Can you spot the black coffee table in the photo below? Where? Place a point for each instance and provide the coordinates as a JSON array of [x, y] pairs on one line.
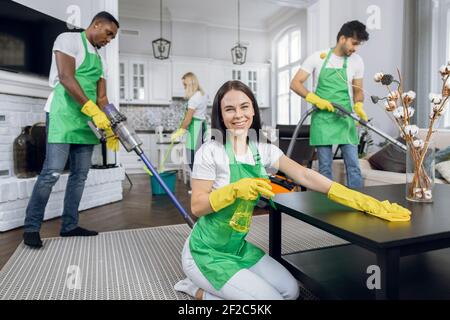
[[343, 272]]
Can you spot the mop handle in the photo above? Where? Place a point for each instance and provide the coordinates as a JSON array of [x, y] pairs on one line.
[[161, 166], [369, 126], [167, 190]]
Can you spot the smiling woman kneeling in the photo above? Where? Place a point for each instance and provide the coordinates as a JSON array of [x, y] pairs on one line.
[[228, 178]]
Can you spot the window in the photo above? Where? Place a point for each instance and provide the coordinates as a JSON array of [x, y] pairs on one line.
[[288, 62]]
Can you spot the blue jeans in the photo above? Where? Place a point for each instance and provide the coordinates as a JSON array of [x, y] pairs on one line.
[[350, 155], [55, 161]]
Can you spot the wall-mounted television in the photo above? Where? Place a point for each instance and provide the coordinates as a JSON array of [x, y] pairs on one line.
[[26, 39]]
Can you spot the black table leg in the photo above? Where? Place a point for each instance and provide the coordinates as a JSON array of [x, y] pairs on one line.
[[275, 234], [388, 261]]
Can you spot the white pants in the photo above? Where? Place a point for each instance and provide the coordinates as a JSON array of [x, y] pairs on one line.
[[266, 280]]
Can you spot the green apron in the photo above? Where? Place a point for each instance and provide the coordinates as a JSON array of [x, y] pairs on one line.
[[328, 128], [67, 123], [218, 250], [194, 138]]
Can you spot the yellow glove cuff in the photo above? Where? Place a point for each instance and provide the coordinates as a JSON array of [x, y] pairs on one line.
[[335, 190], [90, 109], [312, 98], [358, 106], [222, 198], [181, 131]]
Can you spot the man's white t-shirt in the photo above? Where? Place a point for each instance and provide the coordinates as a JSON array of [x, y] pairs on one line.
[[71, 44], [212, 163], [313, 65], [199, 103]]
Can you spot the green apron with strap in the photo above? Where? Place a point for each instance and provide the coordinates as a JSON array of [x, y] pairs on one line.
[[67, 123], [218, 250], [194, 138], [328, 128]]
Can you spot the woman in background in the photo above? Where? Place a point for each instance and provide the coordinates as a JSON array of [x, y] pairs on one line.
[[194, 120]]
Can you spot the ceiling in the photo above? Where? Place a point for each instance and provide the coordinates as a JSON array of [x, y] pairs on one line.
[[255, 14]]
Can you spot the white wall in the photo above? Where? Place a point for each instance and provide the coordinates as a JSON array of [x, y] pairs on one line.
[[65, 10], [58, 9], [258, 44], [193, 39], [383, 51], [149, 30], [190, 39]]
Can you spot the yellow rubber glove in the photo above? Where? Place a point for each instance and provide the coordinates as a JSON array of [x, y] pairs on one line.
[[247, 189], [359, 201], [320, 103], [358, 107], [177, 134], [112, 141], [98, 116]]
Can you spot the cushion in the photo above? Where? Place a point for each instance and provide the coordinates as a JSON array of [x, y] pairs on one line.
[[444, 169], [389, 158], [442, 155]]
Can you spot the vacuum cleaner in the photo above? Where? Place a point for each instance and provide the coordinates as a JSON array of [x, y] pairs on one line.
[[283, 185], [131, 142]]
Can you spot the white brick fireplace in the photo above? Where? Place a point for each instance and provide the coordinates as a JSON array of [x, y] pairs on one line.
[[16, 112], [22, 99]]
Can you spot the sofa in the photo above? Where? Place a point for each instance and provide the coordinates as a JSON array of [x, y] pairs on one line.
[[372, 177]]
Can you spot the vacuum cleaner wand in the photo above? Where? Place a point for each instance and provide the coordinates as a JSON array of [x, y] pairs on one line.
[[343, 112], [131, 142], [340, 109], [305, 116]]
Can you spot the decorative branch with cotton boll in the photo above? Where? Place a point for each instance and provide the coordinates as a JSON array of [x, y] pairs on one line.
[[398, 103]]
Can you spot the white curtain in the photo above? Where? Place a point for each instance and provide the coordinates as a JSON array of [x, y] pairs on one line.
[[425, 49]]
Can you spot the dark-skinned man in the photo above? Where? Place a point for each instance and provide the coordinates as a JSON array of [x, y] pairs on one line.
[[339, 76], [78, 79]]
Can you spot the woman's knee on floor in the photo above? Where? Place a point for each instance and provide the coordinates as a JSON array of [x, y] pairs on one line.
[[277, 276], [292, 290], [247, 285]]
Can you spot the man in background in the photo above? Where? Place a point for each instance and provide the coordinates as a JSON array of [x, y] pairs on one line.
[[339, 72]]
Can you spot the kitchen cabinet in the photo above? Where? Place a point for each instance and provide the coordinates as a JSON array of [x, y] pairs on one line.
[[144, 80], [257, 78], [133, 80], [264, 86], [219, 75], [160, 82], [200, 67]]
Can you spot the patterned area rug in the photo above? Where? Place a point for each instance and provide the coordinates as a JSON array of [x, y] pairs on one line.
[[141, 264]]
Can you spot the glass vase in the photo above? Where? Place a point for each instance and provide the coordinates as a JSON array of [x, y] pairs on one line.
[[420, 163]]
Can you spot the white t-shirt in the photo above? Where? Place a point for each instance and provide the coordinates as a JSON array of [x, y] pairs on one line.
[[199, 103], [71, 44], [212, 163], [355, 67]]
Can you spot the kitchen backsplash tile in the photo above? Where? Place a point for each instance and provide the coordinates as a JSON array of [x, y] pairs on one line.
[[149, 117]]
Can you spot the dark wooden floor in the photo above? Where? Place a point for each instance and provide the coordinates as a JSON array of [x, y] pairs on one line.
[[138, 209]]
